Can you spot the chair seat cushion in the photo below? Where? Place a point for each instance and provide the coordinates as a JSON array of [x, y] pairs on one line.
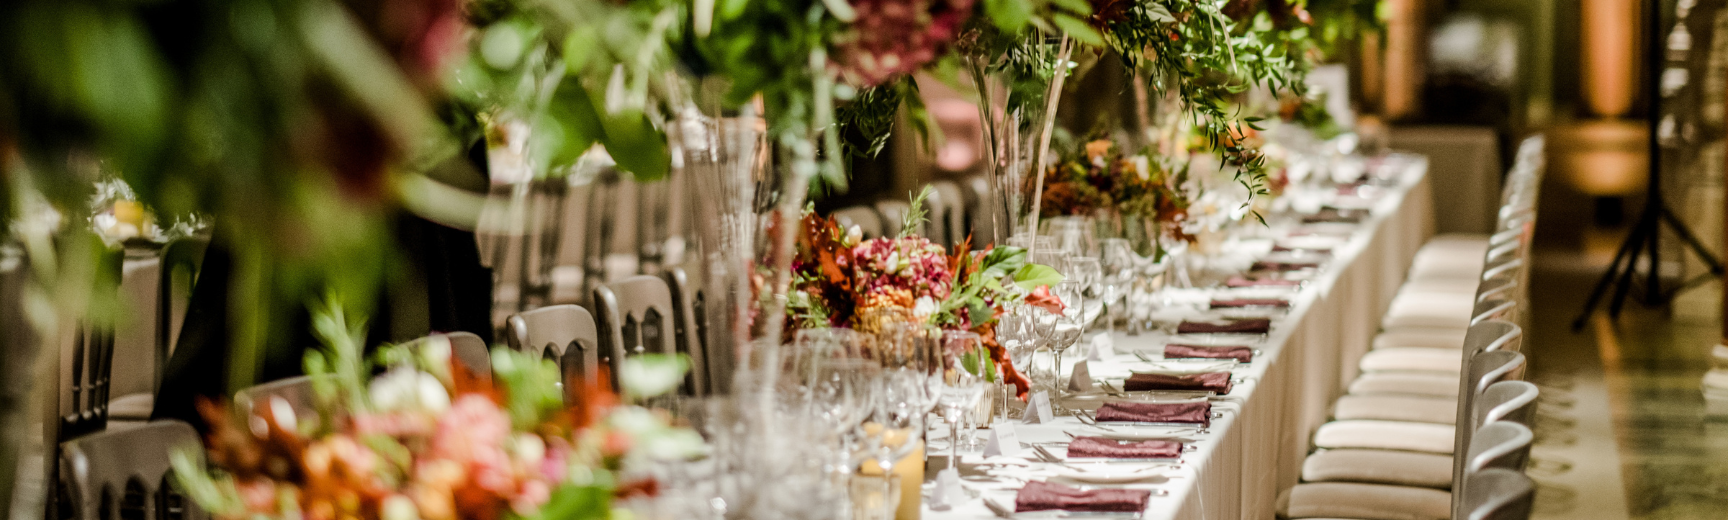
[[1366, 501], [1413, 359], [131, 407], [1421, 337], [1399, 468], [1430, 312], [1436, 384], [1437, 410], [1385, 435]]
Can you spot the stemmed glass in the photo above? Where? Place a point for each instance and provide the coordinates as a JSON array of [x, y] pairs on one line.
[[1084, 270], [963, 383], [1116, 261], [1065, 327], [907, 389]]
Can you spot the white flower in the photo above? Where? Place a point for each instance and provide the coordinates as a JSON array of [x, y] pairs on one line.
[[398, 507], [1142, 167], [924, 307], [528, 449], [409, 390], [854, 235], [434, 353], [892, 264]]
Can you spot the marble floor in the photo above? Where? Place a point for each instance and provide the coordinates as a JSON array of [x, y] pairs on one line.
[[1622, 431]]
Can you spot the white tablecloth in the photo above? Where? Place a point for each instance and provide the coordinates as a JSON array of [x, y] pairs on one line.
[[1256, 448]]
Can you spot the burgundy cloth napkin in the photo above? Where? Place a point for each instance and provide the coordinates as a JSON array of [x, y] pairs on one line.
[[1218, 382], [1256, 281], [1179, 351], [1244, 326], [1250, 302], [1284, 265], [1334, 215], [1307, 250], [1182, 412], [1102, 448], [1044, 496]]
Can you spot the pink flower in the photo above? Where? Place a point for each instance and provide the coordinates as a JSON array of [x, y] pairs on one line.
[[472, 433]]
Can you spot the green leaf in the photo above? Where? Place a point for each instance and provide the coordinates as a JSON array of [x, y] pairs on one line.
[[1030, 276], [1001, 261], [1079, 30], [648, 375], [1077, 7], [636, 145], [1009, 15], [572, 117]]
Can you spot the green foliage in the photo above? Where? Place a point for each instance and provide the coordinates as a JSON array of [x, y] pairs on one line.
[[1196, 52], [916, 215], [530, 386]]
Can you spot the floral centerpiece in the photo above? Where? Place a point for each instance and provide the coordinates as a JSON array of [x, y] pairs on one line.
[[1099, 176], [429, 439], [838, 279]]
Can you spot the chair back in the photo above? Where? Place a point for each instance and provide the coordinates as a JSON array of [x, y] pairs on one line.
[[947, 204], [981, 212], [1502, 444], [86, 367], [1503, 310], [866, 218], [689, 321], [1481, 370], [565, 332], [1507, 401], [1491, 335], [1497, 289], [127, 473], [181, 261], [467, 349], [294, 393], [1510, 267], [1497, 494], [893, 213], [637, 317], [527, 232]]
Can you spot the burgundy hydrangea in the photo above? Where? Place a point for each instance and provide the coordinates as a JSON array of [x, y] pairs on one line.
[[894, 37]]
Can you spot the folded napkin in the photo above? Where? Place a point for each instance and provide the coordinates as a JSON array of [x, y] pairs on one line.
[[1102, 448], [1244, 326], [1195, 412], [1179, 351], [1334, 215], [1044, 496], [1250, 302], [1284, 265], [1257, 281], [1218, 382], [1306, 250]]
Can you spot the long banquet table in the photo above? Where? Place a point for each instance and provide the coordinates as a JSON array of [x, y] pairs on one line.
[[1257, 445]]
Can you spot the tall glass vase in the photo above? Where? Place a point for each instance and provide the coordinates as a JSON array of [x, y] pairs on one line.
[[725, 158], [1017, 131]]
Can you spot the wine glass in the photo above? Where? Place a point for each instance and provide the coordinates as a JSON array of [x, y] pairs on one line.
[[963, 383], [910, 382], [1116, 261], [1076, 235], [1066, 327], [1085, 271]]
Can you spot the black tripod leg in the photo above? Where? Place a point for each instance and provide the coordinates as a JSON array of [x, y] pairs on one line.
[[1603, 282], [1692, 240], [1624, 285]]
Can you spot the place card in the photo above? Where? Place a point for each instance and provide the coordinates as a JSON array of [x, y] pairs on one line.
[[1081, 379], [948, 492], [1103, 346], [1003, 441], [1038, 410]]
